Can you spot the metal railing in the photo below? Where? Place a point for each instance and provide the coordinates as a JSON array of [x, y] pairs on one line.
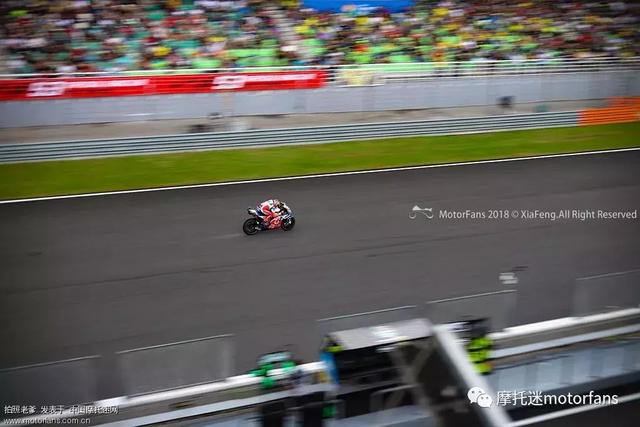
[[12, 153], [499, 306], [548, 372], [245, 390], [359, 74], [70, 381], [179, 364]]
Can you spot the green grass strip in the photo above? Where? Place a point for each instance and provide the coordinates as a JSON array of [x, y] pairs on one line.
[[121, 173]]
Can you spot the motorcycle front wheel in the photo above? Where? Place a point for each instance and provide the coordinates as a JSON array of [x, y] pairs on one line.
[[287, 224], [251, 226]]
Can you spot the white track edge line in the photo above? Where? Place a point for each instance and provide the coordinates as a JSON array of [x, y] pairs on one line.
[[319, 175]]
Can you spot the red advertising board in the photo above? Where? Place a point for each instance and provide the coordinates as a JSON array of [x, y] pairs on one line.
[[94, 87]]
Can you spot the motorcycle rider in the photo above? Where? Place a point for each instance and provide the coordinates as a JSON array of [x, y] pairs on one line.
[[269, 210]]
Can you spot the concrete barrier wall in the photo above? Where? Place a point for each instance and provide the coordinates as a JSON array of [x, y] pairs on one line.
[[436, 93]]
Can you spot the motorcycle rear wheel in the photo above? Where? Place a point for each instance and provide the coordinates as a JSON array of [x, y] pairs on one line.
[[251, 226]]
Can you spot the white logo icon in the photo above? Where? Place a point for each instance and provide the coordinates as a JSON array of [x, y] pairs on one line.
[[478, 395], [473, 394], [229, 82], [427, 212], [485, 401], [37, 89]]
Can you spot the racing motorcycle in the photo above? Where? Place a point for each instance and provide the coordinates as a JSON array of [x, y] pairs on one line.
[[285, 221]]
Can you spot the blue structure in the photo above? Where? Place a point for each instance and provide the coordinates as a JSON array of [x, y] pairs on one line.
[[360, 5]]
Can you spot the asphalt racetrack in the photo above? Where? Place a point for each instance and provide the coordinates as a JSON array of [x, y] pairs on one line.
[[101, 274]]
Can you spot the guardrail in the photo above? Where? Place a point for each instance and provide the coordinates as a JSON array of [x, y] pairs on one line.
[[12, 153], [414, 70], [243, 391], [535, 337]]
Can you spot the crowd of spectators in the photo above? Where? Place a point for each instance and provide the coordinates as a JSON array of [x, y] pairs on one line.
[[110, 35], [454, 30], [107, 35]]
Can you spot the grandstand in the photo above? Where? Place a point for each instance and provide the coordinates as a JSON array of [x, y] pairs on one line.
[[115, 36]]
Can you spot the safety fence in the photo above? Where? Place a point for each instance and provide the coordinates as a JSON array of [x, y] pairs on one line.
[[21, 152], [177, 365], [404, 73], [10, 153], [175, 368], [547, 372], [141, 370], [174, 365], [606, 292], [498, 306], [21, 87], [368, 319], [63, 382], [334, 73]]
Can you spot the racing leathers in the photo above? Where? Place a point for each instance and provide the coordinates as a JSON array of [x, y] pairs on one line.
[[269, 210]]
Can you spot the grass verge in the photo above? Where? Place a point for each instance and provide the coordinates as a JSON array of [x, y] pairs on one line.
[[23, 180]]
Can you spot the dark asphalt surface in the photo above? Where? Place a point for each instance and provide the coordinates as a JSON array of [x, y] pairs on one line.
[[98, 275]]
